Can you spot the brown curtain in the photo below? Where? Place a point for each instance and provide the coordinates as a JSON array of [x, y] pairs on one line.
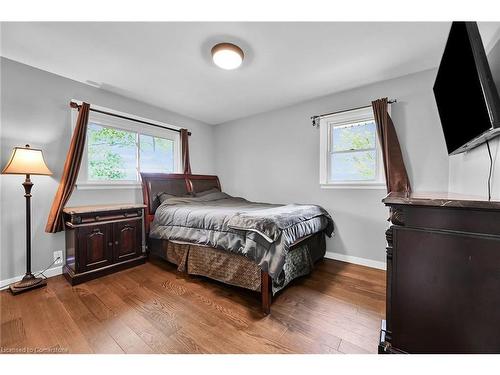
[[395, 172], [55, 221], [186, 165]]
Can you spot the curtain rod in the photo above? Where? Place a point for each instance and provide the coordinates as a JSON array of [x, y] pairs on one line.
[[77, 106], [315, 118]]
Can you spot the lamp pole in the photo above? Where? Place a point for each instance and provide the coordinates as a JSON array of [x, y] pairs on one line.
[[27, 194]]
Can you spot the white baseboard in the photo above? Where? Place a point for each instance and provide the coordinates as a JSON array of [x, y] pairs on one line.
[[49, 273], [356, 260]]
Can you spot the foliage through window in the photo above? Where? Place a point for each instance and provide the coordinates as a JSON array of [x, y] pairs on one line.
[[118, 150], [111, 153], [350, 149], [353, 155]]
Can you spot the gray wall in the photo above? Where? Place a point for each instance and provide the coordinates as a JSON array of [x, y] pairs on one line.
[[274, 157], [34, 110], [469, 172]]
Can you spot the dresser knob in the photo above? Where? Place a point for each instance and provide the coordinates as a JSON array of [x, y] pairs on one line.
[[110, 243], [116, 242]]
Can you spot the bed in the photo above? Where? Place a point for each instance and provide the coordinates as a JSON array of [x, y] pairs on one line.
[[190, 222]]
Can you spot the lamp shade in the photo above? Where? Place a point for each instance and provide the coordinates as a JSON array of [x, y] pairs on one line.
[[26, 160]]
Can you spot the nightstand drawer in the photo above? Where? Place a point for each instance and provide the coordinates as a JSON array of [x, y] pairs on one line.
[[94, 217]]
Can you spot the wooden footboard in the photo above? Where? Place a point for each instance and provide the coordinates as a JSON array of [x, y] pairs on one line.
[[266, 292]]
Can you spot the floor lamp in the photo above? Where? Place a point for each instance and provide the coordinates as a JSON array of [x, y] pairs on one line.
[[27, 161]]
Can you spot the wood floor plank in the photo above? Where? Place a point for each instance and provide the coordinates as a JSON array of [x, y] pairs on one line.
[[301, 343], [93, 330], [221, 329], [12, 332], [156, 339], [121, 333], [153, 308], [347, 347], [65, 330], [40, 335], [178, 315]]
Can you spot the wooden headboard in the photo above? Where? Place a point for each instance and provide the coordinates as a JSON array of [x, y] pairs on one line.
[[172, 183]]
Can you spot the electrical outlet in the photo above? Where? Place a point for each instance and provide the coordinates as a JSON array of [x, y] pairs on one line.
[[58, 254]]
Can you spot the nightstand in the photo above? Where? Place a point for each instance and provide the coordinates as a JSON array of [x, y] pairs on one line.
[[102, 239]]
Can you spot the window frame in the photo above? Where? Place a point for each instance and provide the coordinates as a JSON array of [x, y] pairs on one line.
[[339, 119], [83, 183]]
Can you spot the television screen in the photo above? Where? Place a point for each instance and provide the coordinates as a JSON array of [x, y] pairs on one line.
[[466, 96]]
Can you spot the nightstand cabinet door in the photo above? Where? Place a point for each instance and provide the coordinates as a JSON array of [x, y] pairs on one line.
[[95, 247], [127, 240]]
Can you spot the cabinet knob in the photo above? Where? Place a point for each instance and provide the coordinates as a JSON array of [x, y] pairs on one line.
[[116, 242], [110, 243]]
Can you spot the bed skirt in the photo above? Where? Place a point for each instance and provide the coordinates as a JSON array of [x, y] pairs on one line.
[[235, 269]]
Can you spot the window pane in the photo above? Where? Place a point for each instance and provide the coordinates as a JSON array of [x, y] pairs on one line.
[[157, 154], [111, 154], [353, 166], [356, 136]]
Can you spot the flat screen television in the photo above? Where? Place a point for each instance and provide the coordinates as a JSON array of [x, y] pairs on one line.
[[467, 97]]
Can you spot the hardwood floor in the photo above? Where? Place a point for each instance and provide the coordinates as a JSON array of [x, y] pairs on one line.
[[154, 309]]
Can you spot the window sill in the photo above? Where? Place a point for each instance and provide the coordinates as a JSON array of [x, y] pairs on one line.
[[366, 185], [101, 186]]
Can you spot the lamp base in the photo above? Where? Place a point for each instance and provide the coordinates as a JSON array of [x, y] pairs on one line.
[[27, 283]]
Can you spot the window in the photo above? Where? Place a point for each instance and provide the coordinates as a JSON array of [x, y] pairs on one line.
[[117, 150], [350, 151]]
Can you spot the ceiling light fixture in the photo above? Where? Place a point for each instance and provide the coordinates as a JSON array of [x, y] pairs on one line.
[[227, 56]]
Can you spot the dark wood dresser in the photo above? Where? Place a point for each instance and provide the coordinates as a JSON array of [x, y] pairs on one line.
[[443, 275], [102, 239]]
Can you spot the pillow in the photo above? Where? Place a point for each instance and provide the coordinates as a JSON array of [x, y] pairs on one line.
[[162, 197], [206, 192]]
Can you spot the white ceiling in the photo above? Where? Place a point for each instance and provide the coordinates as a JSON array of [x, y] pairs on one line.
[[169, 65]]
